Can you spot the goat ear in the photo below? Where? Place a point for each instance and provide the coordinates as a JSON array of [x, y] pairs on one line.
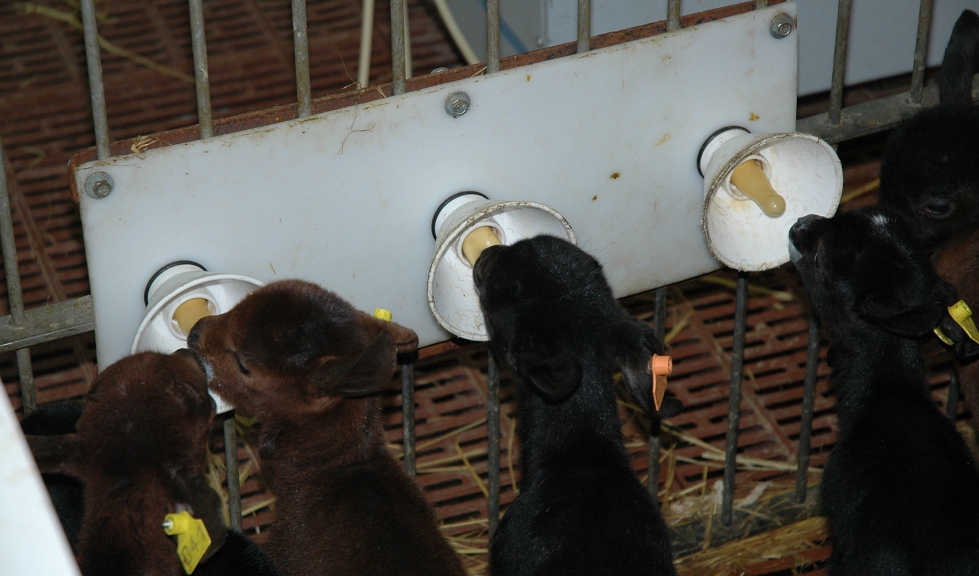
[[556, 374], [57, 454], [896, 318], [368, 373], [194, 495], [635, 343]]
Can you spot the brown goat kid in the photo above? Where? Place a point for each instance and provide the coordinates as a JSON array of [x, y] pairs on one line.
[[957, 262], [303, 362], [140, 452]]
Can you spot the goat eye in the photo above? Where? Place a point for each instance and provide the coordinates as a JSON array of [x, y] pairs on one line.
[[241, 365], [936, 209]]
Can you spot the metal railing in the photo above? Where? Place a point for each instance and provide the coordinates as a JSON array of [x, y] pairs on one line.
[[24, 328]]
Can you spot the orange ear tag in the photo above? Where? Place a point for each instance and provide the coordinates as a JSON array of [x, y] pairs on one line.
[[661, 367]]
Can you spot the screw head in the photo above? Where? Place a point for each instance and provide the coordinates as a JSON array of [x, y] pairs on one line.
[[440, 69], [782, 25], [99, 185], [457, 104]]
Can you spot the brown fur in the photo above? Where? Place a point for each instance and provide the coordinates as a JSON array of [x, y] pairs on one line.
[[957, 262], [139, 450], [302, 361]]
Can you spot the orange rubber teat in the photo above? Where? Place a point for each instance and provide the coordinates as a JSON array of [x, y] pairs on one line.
[[751, 181], [478, 240], [188, 313]]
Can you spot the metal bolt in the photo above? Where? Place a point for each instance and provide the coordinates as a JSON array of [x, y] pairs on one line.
[[457, 104], [782, 25], [99, 185], [440, 69]]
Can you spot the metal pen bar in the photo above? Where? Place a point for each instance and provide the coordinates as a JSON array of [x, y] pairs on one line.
[[231, 461], [808, 406], [397, 47], [493, 450], [673, 15], [584, 26], [300, 41], [492, 36], [734, 402], [202, 83], [408, 415], [95, 85], [46, 323], [921, 50], [15, 295], [952, 404], [652, 468], [839, 61]]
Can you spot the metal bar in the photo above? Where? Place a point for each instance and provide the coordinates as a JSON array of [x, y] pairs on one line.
[[870, 117], [366, 43], [409, 66], [300, 41], [652, 468], [584, 26], [202, 83], [15, 295], [808, 405], [952, 404], [231, 461], [921, 50], [46, 323], [408, 415], [397, 47], [492, 36], [734, 401], [493, 450], [839, 61], [673, 15], [95, 86]]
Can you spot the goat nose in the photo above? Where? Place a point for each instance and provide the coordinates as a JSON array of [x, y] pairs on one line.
[[802, 224], [194, 336]]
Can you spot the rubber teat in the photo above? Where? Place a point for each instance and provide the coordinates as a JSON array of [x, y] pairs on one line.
[[661, 367], [188, 313], [382, 314], [751, 181], [192, 538], [478, 240]]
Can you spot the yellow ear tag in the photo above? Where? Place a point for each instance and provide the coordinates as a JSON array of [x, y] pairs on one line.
[[962, 314], [192, 538], [382, 314]]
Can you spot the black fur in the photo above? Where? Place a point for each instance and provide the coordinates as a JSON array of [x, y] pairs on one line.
[[554, 323], [67, 492], [930, 168], [900, 489]]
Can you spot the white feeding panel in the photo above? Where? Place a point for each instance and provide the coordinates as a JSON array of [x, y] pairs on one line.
[[345, 199]]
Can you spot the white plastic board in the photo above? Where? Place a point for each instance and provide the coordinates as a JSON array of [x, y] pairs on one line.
[[345, 199]]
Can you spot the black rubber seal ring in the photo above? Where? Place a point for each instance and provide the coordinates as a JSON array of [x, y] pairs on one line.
[[450, 199], [146, 292], [711, 137]]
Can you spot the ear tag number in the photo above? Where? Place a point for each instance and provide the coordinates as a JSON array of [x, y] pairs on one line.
[[192, 538], [661, 367]]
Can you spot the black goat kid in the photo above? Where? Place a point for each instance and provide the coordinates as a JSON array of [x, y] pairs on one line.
[[900, 489], [553, 321]]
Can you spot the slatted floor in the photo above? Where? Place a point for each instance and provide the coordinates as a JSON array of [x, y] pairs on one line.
[[45, 119]]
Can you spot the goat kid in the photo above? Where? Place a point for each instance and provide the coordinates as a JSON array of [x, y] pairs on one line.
[[140, 453], [554, 323], [930, 168], [305, 363], [900, 489]]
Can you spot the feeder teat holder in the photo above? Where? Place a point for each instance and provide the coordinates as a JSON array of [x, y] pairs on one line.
[[179, 295], [757, 185], [465, 225]]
